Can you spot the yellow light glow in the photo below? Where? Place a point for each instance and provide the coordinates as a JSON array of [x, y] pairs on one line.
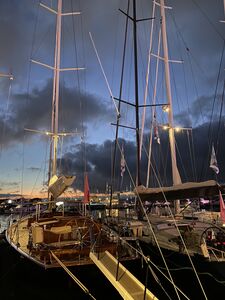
[[177, 129], [165, 108]]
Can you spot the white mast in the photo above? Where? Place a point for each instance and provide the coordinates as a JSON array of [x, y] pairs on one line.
[[55, 95], [175, 172], [54, 133]]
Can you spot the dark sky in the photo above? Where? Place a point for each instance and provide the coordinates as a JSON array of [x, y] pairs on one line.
[[195, 36]]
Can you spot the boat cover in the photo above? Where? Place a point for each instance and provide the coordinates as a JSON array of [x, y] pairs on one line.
[[58, 185], [180, 191]]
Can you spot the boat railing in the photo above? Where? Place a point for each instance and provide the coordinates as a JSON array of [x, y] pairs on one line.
[[217, 253]]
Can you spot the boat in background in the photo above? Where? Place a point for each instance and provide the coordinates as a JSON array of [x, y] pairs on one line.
[[174, 224], [174, 232]]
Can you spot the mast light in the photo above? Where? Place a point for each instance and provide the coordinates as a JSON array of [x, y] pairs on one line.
[[165, 108], [177, 129]]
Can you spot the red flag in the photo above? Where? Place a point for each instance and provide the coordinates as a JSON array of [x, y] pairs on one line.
[[86, 190], [222, 208]]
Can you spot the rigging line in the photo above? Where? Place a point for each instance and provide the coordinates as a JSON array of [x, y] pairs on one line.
[[60, 155], [191, 156], [214, 100], [40, 169], [186, 45], [148, 260], [165, 163], [107, 83], [35, 182], [31, 53], [186, 90], [154, 160], [22, 169], [185, 84], [78, 77], [119, 104], [41, 42], [84, 55], [46, 152], [28, 88], [115, 43], [153, 102], [181, 161], [76, 280], [220, 119], [149, 222], [208, 19], [35, 29], [128, 90], [195, 86], [181, 268], [5, 117], [177, 228], [175, 97], [147, 79]]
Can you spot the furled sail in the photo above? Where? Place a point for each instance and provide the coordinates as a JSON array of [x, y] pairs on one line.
[[58, 185]]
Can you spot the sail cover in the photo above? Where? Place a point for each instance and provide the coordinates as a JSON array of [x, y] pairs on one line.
[[180, 191], [58, 185]]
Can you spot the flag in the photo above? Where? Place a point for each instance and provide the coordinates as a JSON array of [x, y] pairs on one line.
[[122, 162], [86, 190], [222, 208], [213, 161]]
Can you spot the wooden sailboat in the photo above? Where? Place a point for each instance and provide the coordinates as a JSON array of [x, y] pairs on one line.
[[50, 236]]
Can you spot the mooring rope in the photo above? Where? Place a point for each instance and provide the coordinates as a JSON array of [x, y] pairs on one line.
[[83, 287]]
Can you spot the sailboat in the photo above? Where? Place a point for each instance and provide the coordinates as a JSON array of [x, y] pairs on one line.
[[171, 228], [52, 237], [172, 224]]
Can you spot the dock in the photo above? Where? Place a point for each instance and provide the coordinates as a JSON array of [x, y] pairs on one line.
[[129, 287]]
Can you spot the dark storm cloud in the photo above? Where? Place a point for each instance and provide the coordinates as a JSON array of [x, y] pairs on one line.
[[16, 33], [201, 111], [34, 112], [193, 160], [98, 160]]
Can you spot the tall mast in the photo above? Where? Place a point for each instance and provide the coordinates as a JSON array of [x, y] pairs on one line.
[[55, 96], [138, 179], [175, 172]]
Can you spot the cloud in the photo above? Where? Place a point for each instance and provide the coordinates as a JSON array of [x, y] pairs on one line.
[[34, 112], [192, 159], [201, 111]]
